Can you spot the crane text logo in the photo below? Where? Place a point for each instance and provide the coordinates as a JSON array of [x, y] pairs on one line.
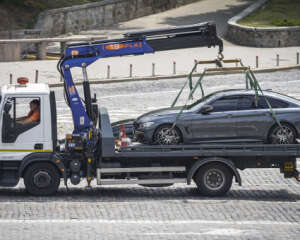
[[118, 46]]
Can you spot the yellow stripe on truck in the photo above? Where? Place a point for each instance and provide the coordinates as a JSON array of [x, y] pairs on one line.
[[25, 150]]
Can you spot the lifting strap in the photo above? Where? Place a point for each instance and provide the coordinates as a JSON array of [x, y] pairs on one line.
[[251, 83]]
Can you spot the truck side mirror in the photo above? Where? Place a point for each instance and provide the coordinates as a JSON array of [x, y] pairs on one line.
[[7, 107], [206, 109]]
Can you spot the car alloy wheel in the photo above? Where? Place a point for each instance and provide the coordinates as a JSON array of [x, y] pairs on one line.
[[167, 135], [282, 135]]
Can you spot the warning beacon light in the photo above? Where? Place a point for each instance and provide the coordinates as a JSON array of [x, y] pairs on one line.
[[22, 80]]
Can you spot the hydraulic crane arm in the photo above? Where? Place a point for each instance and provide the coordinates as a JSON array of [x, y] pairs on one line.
[[133, 43]]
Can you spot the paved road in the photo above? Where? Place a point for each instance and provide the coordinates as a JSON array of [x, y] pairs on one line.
[[218, 11], [265, 207]]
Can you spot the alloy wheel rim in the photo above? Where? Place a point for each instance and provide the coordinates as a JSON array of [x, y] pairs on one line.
[[283, 135], [167, 136]]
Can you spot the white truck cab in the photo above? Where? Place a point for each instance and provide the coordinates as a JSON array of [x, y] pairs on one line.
[[18, 139]]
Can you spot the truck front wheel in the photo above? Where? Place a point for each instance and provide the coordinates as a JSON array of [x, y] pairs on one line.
[[41, 179], [213, 179]]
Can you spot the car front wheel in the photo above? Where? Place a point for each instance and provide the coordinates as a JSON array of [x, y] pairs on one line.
[[167, 135]]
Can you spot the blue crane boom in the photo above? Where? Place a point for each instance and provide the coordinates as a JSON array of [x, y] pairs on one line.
[[134, 43]]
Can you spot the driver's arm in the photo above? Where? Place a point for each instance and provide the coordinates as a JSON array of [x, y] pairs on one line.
[[25, 120], [21, 118]]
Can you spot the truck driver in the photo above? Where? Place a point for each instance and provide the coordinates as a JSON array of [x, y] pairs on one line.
[[33, 115]]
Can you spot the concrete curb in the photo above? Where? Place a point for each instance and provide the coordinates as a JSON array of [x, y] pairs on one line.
[[246, 12], [260, 36], [164, 77], [252, 8]]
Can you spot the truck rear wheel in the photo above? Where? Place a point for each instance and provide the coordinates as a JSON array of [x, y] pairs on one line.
[[213, 179], [41, 179]]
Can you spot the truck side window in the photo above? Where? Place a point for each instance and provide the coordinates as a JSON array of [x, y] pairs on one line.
[[19, 116]]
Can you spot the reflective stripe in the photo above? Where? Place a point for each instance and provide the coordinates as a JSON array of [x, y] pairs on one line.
[[25, 150]]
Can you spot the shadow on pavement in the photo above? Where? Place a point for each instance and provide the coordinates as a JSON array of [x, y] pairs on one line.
[[139, 194]]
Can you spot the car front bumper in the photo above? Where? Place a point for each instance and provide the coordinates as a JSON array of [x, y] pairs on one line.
[[143, 136]]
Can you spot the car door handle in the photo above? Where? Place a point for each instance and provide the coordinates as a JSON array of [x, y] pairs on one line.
[[229, 115]]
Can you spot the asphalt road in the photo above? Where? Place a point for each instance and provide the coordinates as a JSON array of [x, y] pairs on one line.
[[267, 206]]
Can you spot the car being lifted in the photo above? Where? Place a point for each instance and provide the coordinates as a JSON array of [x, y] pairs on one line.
[[229, 116]]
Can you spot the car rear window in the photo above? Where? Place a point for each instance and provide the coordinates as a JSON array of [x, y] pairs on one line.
[[275, 103], [247, 103]]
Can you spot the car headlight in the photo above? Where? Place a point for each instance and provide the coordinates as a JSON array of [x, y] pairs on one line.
[[146, 124]]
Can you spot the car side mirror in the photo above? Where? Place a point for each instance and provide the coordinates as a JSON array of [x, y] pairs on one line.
[[206, 109]]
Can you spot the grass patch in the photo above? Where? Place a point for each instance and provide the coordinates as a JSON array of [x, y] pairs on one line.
[[276, 13], [20, 14]]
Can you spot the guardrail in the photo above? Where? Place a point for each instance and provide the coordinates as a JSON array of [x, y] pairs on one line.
[[10, 49]]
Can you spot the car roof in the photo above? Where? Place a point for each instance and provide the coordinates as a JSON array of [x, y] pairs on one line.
[[268, 93]]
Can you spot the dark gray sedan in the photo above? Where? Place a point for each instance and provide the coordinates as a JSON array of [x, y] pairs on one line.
[[230, 116]]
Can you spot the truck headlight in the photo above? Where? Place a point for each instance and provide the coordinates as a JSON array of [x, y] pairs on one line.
[[146, 124]]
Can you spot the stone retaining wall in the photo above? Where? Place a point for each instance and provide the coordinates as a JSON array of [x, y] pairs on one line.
[[261, 37], [100, 14]]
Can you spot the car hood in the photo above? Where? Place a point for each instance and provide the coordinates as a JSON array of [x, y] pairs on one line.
[[164, 112]]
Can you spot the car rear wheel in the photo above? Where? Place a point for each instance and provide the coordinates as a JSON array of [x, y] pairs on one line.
[[213, 179], [167, 135], [282, 135]]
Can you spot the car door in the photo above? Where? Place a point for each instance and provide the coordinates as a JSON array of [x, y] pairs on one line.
[[253, 121], [217, 125]]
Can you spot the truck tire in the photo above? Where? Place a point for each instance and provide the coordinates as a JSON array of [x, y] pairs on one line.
[[213, 179], [41, 179]]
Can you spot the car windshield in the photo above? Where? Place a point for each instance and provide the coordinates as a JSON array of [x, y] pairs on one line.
[[200, 100]]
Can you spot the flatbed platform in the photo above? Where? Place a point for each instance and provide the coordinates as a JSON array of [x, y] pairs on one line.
[[194, 150], [201, 150]]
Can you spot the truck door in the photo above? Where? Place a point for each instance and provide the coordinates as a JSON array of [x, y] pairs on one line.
[[19, 136]]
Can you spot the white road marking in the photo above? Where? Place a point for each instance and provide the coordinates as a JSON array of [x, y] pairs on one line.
[[145, 222], [222, 232]]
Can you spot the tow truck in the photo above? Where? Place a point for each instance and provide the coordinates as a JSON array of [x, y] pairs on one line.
[[33, 152]]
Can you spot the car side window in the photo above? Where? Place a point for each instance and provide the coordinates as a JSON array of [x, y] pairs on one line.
[[225, 104], [275, 103], [246, 103]]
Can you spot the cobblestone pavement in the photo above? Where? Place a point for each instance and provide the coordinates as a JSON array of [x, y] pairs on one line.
[[267, 206]]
